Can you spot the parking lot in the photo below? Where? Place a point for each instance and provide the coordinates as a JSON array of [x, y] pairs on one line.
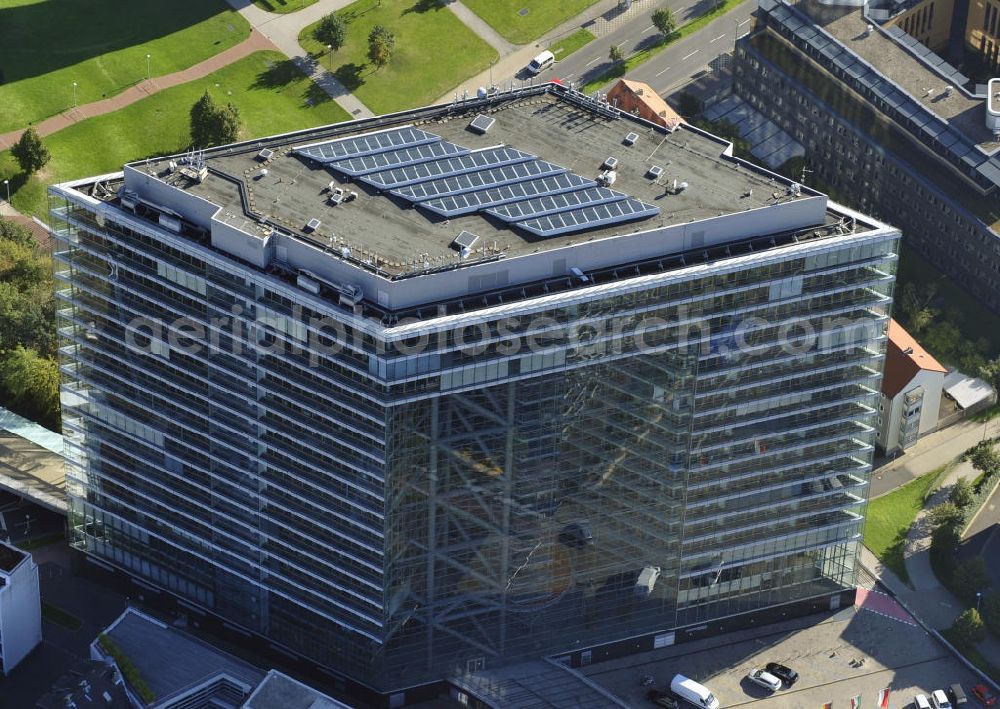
[[837, 656]]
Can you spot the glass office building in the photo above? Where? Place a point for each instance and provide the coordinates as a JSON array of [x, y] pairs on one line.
[[405, 468]]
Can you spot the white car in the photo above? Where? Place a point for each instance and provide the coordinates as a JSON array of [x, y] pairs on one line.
[[763, 678], [940, 699], [920, 702]]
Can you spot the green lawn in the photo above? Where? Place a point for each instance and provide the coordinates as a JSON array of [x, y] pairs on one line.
[[272, 95], [890, 518], [567, 45], [542, 15], [283, 6], [102, 46], [643, 55], [435, 52], [60, 617]]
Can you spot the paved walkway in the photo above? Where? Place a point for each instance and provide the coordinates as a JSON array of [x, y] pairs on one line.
[[475, 23], [284, 30], [255, 42]]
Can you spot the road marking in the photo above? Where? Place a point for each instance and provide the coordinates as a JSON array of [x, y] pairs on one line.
[[717, 38], [664, 70], [621, 43], [690, 55], [569, 76], [651, 27], [595, 59]]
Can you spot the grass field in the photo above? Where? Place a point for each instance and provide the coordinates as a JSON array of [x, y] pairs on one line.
[[890, 518], [435, 52], [542, 15], [283, 6], [272, 95], [567, 45], [60, 617], [102, 46]]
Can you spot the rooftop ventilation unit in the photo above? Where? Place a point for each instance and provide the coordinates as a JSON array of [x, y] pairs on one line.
[[610, 164], [265, 154], [631, 138], [655, 172], [464, 240], [480, 124], [313, 224], [795, 189]]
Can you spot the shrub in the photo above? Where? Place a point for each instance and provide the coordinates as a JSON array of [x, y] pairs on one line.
[[969, 627], [970, 577], [944, 542], [991, 612], [945, 514], [962, 495]]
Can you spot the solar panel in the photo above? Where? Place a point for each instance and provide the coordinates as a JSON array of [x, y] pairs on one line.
[[422, 172], [464, 240], [363, 165], [480, 124], [477, 180], [468, 202], [367, 144], [589, 217], [552, 204]]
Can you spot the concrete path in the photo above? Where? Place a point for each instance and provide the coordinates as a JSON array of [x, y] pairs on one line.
[[284, 30], [475, 23], [255, 42], [930, 453]]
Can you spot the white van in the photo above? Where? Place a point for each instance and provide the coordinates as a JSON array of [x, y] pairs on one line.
[[542, 62], [693, 693]]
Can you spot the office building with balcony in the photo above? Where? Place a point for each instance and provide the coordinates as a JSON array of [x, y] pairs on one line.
[[888, 127], [437, 391], [20, 607]]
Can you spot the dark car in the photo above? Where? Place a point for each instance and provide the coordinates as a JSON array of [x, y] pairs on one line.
[[787, 675], [576, 535], [663, 699]]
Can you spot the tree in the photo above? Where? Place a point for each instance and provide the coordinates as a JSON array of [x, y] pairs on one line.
[[991, 373], [944, 542], [331, 31], [969, 627], [29, 151], [991, 612], [212, 124], [688, 104], [663, 20], [203, 115], [381, 43], [961, 494], [227, 125], [615, 53], [970, 577], [947, 513], [14, 232], [31, 383], [985, 459]]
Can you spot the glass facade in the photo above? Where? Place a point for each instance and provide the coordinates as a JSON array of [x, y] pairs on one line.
[[470, 489]]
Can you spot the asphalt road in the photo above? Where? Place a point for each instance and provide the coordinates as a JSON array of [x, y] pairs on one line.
[[674, 65]]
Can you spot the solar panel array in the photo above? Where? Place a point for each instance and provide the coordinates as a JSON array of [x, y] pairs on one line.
[[866, 79], [450, 180]]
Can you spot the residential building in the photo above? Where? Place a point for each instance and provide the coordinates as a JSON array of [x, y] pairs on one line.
[[443, 390], [641, 100], [20, 607], [888, 127], [911, 391]]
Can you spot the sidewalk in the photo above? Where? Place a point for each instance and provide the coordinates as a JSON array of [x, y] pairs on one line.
[[254, 43], [930, 453]]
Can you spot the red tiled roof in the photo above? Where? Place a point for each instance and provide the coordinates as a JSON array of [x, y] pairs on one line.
[[904, 358]]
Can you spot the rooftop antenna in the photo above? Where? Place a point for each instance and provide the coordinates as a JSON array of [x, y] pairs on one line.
[[869, 29], [805, 171]]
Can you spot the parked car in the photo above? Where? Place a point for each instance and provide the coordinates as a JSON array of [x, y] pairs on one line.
[[763, 678], [986, 697], [786, 674], [939, 700], [542, 62], [920, 702], [956, 694], [663, 699], [693, 692]]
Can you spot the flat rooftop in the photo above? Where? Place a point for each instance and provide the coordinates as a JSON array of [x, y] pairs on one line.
[[10, 557], [563, 143], [280, 690], [926, 86]]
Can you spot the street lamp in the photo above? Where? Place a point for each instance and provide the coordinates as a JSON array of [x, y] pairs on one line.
[[147, 66], [979, 599], [329, 49], [7, 184], [74, 94]]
